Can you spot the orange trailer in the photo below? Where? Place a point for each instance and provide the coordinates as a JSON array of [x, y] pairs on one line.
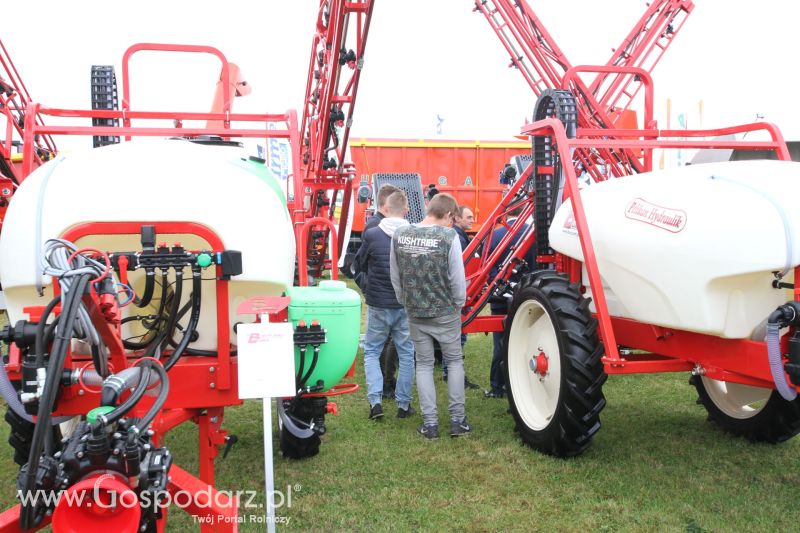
[[468, 170]]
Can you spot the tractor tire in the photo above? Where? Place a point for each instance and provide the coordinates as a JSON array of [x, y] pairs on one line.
[[293, 446], [756, 413], [552, 363]]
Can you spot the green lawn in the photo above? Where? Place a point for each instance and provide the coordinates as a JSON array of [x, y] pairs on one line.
[[656, 465]]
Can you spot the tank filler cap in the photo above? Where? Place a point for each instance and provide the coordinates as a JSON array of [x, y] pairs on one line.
[[332, 285]]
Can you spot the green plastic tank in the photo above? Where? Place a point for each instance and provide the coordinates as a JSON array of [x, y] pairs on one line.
[[338, 311]]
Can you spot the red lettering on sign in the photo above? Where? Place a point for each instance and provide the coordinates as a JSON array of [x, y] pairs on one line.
[[672, 220]]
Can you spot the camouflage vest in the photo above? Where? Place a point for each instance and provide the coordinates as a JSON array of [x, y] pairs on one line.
[[422, 261]]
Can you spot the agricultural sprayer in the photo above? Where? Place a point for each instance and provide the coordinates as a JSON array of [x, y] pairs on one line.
[[684, 270], [124, 313], [648, 273]]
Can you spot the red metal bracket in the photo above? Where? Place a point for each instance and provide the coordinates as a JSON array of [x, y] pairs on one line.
[[274, 306], [218, 511]]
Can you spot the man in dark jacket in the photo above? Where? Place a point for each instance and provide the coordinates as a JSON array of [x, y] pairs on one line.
[[388, 359], [359, 275], [463, 223], [385, 315]]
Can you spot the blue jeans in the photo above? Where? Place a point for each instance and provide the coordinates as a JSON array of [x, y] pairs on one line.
[[381, 323]]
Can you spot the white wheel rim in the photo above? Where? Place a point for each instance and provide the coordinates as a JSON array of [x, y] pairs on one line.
[[736, 400], [535, 396]]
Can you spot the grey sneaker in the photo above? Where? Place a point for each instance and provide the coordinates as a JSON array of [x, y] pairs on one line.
[[460, 427], [376, 412], [406, 413], [430, 432]]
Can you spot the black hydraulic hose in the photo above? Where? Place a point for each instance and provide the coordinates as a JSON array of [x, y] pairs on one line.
[[50, 332], [195, 351], [206, 353], [160, 338], [101, 370], [176, 304], [133, 399], [131, 345], [312, 367], [40, 344], [185, 309], [55, 367], [198, 352], [146, 298], [300, 368], [114, 386], [154, 345], [160, 400], [164, 289], [149, 285], [134, 345], [194, 319]]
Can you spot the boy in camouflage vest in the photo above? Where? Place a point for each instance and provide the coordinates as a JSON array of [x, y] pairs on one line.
[[427, 274]]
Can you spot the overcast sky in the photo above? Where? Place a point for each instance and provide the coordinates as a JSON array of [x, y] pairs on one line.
[[424, 57]]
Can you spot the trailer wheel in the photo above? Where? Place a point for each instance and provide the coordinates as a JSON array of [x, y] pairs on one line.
[[552, 364], [759, 414]]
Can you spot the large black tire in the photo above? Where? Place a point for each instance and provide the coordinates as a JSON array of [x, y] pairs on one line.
[[758, 414], [292, 446], [549, 322]]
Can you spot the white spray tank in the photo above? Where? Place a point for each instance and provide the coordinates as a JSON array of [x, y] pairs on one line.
[[153, 181], [692, 248]]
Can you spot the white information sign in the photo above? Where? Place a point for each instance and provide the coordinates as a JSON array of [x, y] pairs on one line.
[[266, 360], [266, 370]]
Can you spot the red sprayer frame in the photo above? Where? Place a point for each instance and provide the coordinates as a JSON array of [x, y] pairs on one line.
[[606, 102], [331, 88], [14, 100]]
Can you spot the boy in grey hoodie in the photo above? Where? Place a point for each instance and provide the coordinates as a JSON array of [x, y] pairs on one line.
[[427, 274]]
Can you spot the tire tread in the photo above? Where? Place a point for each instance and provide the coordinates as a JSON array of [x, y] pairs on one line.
[[577, 416]]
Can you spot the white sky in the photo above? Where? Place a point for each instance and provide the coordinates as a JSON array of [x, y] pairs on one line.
[[424, 57]]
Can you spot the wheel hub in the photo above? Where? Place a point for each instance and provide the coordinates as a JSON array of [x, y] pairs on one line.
[[539, 364]]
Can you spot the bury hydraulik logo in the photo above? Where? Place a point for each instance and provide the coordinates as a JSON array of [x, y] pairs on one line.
[[666, 218]]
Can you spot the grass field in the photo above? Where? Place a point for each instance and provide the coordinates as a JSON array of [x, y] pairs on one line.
[[656, 465]]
